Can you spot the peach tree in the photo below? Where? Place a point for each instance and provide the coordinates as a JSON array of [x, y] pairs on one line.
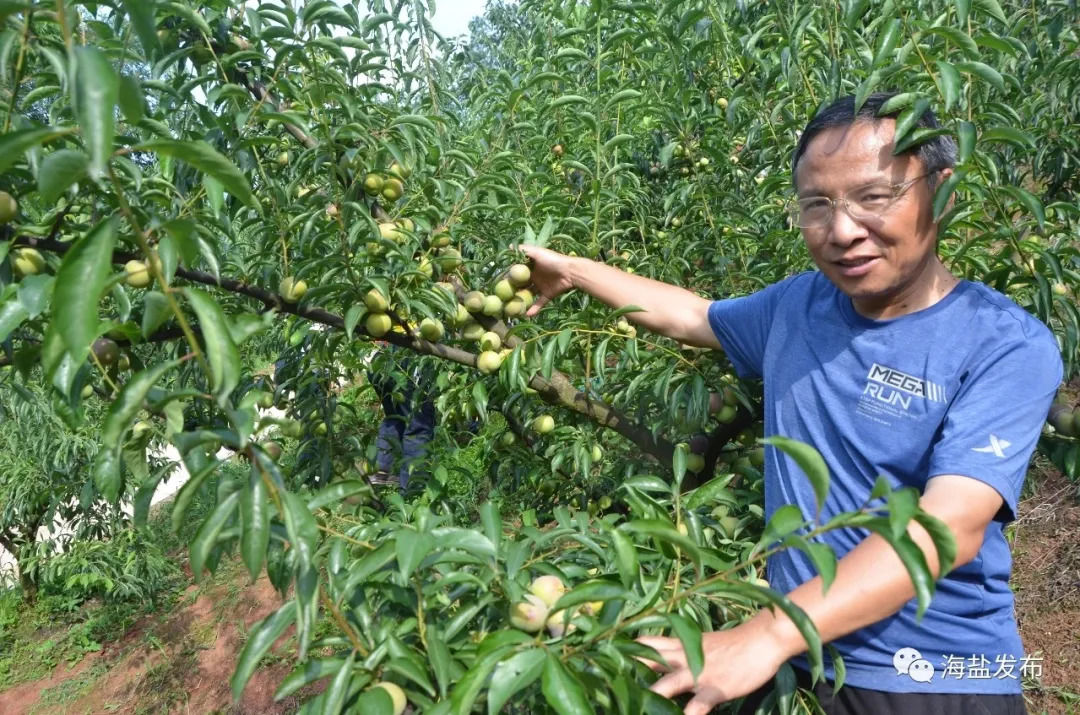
[[193, 191]]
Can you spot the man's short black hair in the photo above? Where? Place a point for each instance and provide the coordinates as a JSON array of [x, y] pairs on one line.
[[936, 154]]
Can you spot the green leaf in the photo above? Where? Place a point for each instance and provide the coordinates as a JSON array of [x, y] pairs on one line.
[[207, 535], [913, 559], [567, 99], [909, 117], [206, 159], [1010, 135], [513, 675], [12, 314], [962, 9], [1030, 201], [337, 492], [254, 522], [80, 281], [626, 558], [97, 90], [984, 72], [156, 311], [992, 8], [810, 461], [785, 520], [58, 171], [14, 144], [597, 590], [562, 689], [944, 191], [221, 351], [943, 537], [130, 400], [689, 635], [886, 42], [414, 119], [141, 13], [301, 527], [902, 505], [334, 699], [965, 138], [950, 82], [411, 547], [259, 639], [307, 673]]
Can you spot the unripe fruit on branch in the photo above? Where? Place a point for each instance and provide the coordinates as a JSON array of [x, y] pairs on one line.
[[138, 274], [514, 307], [722, 102], [557, 150], [440, 238], [507, 439], [474, 301], [106, 351], [526, 296], [373, 184], [543, 424], [140, 428], [401, 171], [393, 190], [529, 615], [123, 362], [547, 588], [493, 306], [390, 231], [397, 695], [282, 159], [1060, 289], [694, 463], [406, 223], [425, 267], [27, 262], [461, 316], [377, 324], [431, 329], [1062, 418], [9, 208], [520, 275], [727, 414], [558, 625], [473, 331], [448, 259], [292, 290], [504, 290], [332, 211], [488, 362], [375, 301], [490, 341]]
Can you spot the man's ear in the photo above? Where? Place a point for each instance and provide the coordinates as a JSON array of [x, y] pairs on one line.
[[943, 176]]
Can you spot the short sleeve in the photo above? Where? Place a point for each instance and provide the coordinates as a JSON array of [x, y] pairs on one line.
[[742, 326], [993, 424]]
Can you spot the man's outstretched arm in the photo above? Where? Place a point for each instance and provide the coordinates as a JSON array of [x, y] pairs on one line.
[[667, 309], [742, 659]]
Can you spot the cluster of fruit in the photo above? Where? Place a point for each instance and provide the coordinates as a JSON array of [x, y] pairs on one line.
[[534, 613], [389, 186], [1065, 419]]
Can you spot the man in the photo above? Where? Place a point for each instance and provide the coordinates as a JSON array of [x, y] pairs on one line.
[[889, 365], [408, 422]]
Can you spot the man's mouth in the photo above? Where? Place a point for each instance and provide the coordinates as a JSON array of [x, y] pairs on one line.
[[856, 266]]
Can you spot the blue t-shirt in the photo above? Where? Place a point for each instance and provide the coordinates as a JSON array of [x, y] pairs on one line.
[[962, 387]]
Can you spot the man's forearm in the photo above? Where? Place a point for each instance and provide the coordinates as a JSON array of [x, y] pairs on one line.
[[667, 309]]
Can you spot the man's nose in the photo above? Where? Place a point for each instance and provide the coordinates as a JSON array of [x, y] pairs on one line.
[[843, 229]]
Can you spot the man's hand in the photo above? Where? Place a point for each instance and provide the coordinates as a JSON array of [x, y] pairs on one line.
[[550, 275], [738, 661]]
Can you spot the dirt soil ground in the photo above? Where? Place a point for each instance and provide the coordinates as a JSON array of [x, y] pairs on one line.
[[1046, 580], [174, 663]]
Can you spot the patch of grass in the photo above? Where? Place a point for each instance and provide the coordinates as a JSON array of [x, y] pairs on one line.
[[71, 689]]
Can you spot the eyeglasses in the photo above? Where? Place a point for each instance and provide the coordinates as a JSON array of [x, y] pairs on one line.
[[861, 203]]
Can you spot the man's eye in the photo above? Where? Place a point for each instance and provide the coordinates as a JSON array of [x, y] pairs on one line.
[[815, 203], [874, 198]]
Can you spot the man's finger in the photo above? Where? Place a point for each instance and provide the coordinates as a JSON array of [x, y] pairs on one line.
[[703, 702], [674, 683], [670, 648], [541, 301]]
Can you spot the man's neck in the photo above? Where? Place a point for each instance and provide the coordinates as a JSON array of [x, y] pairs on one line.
[[932, 285]]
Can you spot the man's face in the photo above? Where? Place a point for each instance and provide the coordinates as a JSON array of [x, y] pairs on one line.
[[883, 263]]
